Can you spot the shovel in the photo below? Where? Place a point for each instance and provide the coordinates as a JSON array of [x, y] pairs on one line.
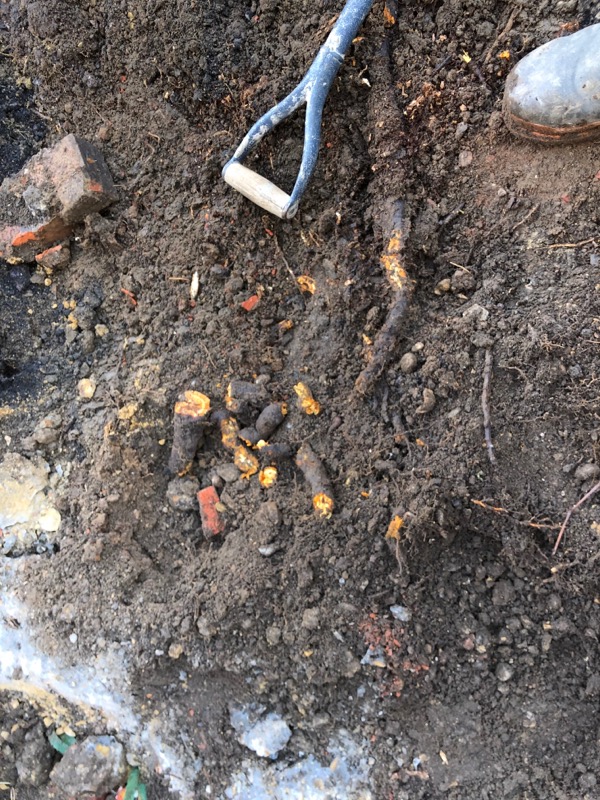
[[312, 90]]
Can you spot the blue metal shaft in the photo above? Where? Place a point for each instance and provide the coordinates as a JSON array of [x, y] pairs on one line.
[[312, 90]]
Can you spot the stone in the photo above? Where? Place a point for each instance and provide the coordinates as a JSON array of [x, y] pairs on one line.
[[55, 257], [503, 593], [504, 672], [265, 734], [181, 493], [408, 363], [86, 388], [311, 618], [36, 758], [94, 766]]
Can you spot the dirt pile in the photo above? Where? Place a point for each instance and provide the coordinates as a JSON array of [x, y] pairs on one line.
[[488, 686]]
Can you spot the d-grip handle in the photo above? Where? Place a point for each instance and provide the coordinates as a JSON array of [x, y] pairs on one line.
[[260, 190]]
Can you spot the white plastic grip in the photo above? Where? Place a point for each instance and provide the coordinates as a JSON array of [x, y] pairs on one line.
[[260, 190]]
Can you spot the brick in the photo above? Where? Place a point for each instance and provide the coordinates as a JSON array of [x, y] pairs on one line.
[[56, 189], [55, 257], [81, 178]]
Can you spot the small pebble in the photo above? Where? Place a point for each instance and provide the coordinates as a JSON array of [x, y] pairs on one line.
[[175, 651], [73, 638], [504, 672], [86, 388], [408, 363], [401, 613], [443, 286], [428, 403], [311, 618]]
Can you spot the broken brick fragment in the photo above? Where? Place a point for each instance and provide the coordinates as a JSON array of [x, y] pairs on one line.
[[57, 188], [213, 523], [55, 257]]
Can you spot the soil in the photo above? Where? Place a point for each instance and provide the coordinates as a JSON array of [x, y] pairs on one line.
[[490, 689]]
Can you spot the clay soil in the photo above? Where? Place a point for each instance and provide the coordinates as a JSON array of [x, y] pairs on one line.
[[492, 684]]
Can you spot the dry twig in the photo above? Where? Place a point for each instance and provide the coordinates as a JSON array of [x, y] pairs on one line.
[[530, 523], [525, 219], [570, 512], [485, 405]]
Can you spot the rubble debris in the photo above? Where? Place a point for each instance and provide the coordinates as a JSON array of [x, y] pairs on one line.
[[94, 766], [36, 759], [313, 470], [86, 388], [56, 189], [189, 422], [307, 402], [25, 508], [265, 734], [211, 517], [56, 257], [182, 492]]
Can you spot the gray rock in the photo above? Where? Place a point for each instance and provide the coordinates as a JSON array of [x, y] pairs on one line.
[[311, 618], [401, 613], [408, 363], [228, 472], [35, 761], [503, 593], [181, 493], [504, 672], [93, 766]]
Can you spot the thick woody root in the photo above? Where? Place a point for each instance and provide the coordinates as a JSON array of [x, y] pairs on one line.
[[387, 338], [189, 422], [313, 470]]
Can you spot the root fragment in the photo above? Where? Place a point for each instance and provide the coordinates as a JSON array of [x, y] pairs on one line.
[[314, 471], [385, 341], [189, 422]]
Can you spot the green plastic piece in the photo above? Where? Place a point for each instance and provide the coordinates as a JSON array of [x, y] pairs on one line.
[[133, 784], [61, 743]]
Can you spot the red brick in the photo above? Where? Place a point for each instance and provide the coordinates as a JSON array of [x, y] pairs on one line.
[[55, 257], [57, 188]]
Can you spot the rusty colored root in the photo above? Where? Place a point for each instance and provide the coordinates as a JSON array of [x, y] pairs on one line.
[[189, 422], [279, 451], [212, 520], [308, 404], [241, 394], [384, 344], [390, 12], [267, 477], [392, 262], [229, 432], [269, 419], [249, 436], [245, 461], [313, 470]]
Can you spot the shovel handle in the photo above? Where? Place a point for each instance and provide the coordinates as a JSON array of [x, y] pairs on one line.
[[260, 190]]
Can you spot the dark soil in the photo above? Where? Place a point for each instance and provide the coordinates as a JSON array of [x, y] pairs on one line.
[[503, 254]]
